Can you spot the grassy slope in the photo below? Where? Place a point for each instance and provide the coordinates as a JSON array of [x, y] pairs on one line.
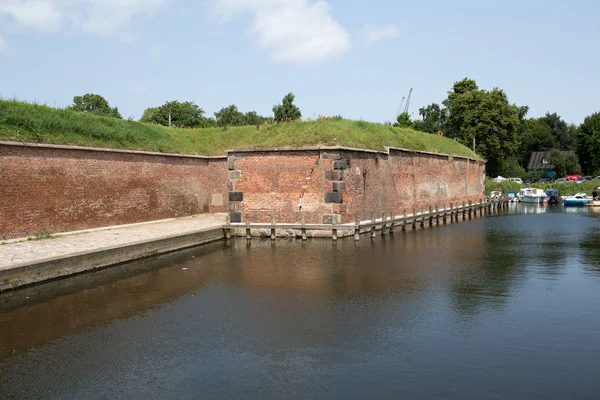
[[34, 123]]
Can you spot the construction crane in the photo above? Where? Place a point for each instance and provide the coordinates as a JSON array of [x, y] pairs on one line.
[[408, 101]]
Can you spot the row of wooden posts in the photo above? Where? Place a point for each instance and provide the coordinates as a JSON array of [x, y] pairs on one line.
[[386, 223]]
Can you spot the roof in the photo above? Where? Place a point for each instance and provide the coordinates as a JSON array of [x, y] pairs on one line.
[[541, 160]]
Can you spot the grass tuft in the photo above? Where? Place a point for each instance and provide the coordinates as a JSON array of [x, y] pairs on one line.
[[41, 236]]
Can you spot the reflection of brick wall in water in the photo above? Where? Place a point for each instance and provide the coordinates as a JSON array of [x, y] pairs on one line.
[[51, 189], [340, 185]]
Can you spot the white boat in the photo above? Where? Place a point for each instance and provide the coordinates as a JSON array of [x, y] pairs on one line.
[[531, 195], [580, 199]]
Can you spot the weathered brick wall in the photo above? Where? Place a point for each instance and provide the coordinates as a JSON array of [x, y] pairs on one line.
[[341, 185], [53, 190]]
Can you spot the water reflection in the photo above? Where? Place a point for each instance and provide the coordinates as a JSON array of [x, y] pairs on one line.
[[441, 312]]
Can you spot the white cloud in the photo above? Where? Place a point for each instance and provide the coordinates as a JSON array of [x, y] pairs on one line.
[[374, 33], [292, 31], [104, 17]]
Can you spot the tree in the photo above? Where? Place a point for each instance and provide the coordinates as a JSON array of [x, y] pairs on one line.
[[511, 168], [565, 162], [535, 136], [94, 104], [588, 144], [185, 115], [403, 121], [287, 111], [434, 118], [564, 135], [148, 116], [252, 118], [486, 117], [230, 116]]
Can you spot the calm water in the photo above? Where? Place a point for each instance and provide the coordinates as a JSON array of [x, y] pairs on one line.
[[494, 308]]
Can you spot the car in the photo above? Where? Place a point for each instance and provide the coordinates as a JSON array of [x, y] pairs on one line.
[[561, 180], [579, 180], [588, 178], [530, 180], [598, 178], [545, 180], [572, 177], [500, 179], [516, 180]]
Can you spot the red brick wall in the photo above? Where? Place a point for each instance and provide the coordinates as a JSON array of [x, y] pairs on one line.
[[272, 183], [56, 190]]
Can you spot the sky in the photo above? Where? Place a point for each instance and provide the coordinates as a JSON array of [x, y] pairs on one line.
[[354, 58]]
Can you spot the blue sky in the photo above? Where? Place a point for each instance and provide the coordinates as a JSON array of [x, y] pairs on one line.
[[354, 58]]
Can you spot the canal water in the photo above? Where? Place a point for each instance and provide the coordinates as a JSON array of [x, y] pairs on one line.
[[494, 308]]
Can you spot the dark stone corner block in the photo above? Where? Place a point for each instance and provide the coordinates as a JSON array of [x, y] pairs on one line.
[[333, 197], [334, 175], [331, 219], [339, 186], [236, 217], [236, 196], [340, 164]]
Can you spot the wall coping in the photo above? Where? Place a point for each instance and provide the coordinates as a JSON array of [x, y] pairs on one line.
[[344, 148], [106, 150]]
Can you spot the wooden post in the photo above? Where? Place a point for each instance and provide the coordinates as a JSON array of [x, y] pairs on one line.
[[248, 233], [334, 233], [383, 218], [470, 208], [228, 227], [463, 210], [391, 227], [373, 227], [273, 236], [357, 229], [303, 227], [437, 215], [451, 212], [404, 221], [414, 225], [444, 218], [430, 216]]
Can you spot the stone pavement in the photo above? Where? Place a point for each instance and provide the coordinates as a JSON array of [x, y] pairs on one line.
[[19, 252]]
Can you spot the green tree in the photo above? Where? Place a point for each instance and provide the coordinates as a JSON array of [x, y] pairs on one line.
[[434, 118], [94, 104], [185, 115], [148, 115], [252, 118], [403, 121], [512, 169], [488, 118], [230, 116], [535, 136], [287, 111], [588, 144], [564, 135], [565, 162]]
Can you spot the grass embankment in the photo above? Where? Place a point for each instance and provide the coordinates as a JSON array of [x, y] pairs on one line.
[[565, 189], [24, 122]]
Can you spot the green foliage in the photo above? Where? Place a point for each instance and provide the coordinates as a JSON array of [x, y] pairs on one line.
[[564, 135], [434, 118], [148, 115], [41, 236], [588, 145], [486, 117], [511, 168], [94, 104], [403, 121], [230, 116], [536, 136], [183, 115], [287, 111], [26, 123], [565, 189], [565, 162]]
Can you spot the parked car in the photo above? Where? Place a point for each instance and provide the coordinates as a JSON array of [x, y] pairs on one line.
[[516, 180], [500, 179], [572, 177], [561, 180], [530, 180], [598, 178], [588, 178], [579, 180], [547, 180]]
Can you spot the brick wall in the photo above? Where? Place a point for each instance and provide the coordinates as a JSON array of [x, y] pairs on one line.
[[49, 189], [340, 185]]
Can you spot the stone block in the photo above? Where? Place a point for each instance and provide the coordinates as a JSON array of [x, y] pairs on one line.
[[330, 156], [235, 217], [338, 208], [236, 196], [339, 186], [340, 164], [235, 175], [231, 163], [231, 186], [216, 199], [332, 219], [334, 175], [333, 197]]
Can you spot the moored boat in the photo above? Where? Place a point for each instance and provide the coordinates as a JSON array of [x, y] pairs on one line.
[[531, 195], [579, 200], [553, 197]]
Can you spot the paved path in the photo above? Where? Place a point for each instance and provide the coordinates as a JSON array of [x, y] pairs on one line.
[[15, 253]]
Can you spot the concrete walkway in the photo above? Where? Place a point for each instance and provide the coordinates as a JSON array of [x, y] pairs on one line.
[[16, 253]]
